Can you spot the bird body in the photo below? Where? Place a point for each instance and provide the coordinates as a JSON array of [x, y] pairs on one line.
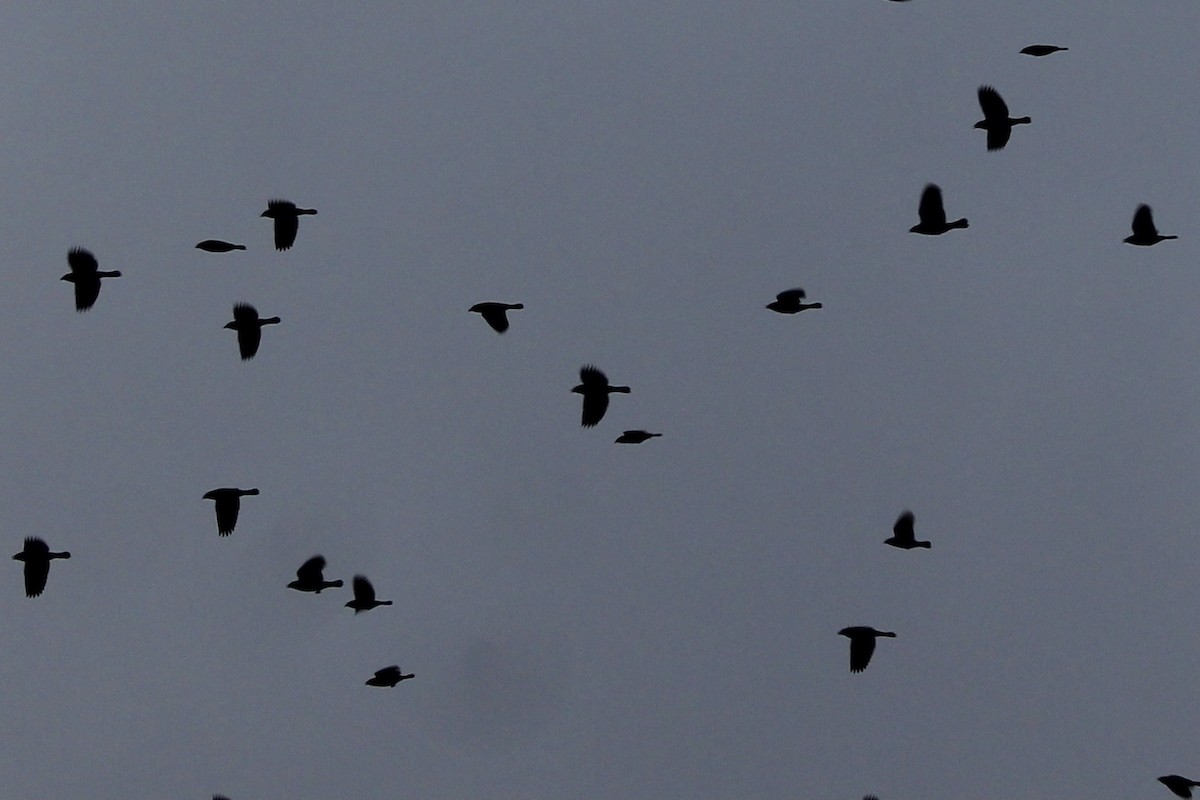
[[595, 388], [364, 596], [311, 578], [902, 533], [218, 246], [1039, 50], [287, 221], [635, 437], [1179, 785], [227, 503], [389, 677], [249, 326], [996, 120], [933, 214], [1144, 231], [85, 274], [862, 644], [37, 557], [495, 314], [788, 302]]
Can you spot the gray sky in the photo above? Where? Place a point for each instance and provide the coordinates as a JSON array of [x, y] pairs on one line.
[[590, 620]]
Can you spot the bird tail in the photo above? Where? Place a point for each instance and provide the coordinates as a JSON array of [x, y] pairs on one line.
[[1021, 121], [277, 320], [250, 492], [63, 554], [958, 223], [1169, 237], [306, 211], [338, 584], [385, 602], [621, 389], [926, 545]]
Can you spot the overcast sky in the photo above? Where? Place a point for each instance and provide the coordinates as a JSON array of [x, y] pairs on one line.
[[585, 619]]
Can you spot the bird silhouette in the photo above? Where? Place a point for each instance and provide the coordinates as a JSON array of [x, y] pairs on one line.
[[227, 503], [218, 246], [862, 644], [902, 533], [996, 120], [388, 676], [595, 388], [933, 215], [788, 302], [1179, 785], [364, 596], [1039, 50], [1144, 232], [635, 437], [311, 578], [85, 274], [37, 558], [495, 314], [287, 221], [249, 328]]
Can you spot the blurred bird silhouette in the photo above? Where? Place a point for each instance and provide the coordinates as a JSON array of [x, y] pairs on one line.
[[227, 503], [1144, 232], [635, 437], [995, 120], [388, 676], [364, 596], [37, 558], [933, 215], [311, 577], [249, 328], [495, 314], [1179, 785], [595, 388], [218, 246], [862, 644], [287, 221], [1041, 49], [85, 274], [902, 533], [788, 302]]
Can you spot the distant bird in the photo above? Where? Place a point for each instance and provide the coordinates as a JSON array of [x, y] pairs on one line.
[[218, 246], [788, 302], [635, 437], [1144, 232], [862, 644], [595, 389], [364, 596], [1179, 785], [494, 314], [902, 533], [287, 221], [1041, 49], [996, 120], [311, 578], [85, 274], [227, 502], [37, 557], [249, 328], [933, 215], [388, 676]]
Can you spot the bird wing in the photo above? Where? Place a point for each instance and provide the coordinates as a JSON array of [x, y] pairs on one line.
[[36, 572], [249, 339], [993, 105], [998, 137], [931, 211], [591, 376], [36, 547], [903, 529], [80, 260], [363, 590], [497, 318], [1143, 222], [861, 648], [311, 571], [227, 512], [595, 403], [87, 289], [244, 312], [791, 296], [286, 226]]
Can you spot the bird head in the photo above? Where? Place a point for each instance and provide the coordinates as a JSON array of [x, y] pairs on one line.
[[229, 325]]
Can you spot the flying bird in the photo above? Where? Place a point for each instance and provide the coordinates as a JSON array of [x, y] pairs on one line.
[[933, 215], [364, 596], [218, 246], [595, 388], [388, 676], [902, 533], [249, 328], [37, 557], [311, 578], [1179, 785], [788, 302], [996, 120], [862, 644], [1039, 50], [495, 314], [287, 221], [1144, 232], [635, 437], [85, 274], [227, 503]]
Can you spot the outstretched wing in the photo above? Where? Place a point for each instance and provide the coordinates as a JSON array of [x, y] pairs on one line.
[[227, 504], [87, 289], [791, 296], [931, 211], [595, 403], [81, 261], [497, 318], [993, 105], [364, 592], [1143, 222], [249, 339], [861, 648], [903, 529], [286, 226], [311, 571], [590, 376], [37, 570]]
